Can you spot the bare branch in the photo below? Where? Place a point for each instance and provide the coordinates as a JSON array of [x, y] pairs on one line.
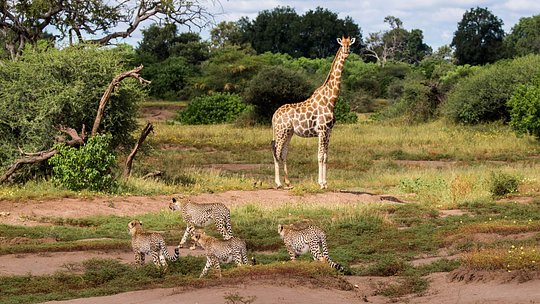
[[149, 128], [105, 98]]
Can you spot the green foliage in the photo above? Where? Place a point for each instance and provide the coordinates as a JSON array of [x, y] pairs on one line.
[[478, 38], [524, 38], [49, 88], [525, 109], [89, 167], [312, 35], [228, 70], [212, 109], [169, 78], [416, 103], [342, 112], [483, 96], [101, 271], [501, 183], [275, 86]]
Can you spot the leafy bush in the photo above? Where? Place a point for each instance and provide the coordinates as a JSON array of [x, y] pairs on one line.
[[483, 96], [342, 112], [48, 88], [169, 78], [275, 86], [501, 183], [525, 109], [212, 109], [89, 167]]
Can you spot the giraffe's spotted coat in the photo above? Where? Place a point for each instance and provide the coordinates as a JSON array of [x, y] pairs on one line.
[[310, 118]]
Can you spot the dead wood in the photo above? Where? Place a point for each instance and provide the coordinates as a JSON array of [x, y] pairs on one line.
[[110, 89], [32, 158], [153, 174], [149, 128]]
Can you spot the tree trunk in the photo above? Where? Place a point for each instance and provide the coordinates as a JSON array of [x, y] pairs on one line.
[[127, 170]]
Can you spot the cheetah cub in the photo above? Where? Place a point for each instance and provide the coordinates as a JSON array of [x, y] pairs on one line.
[[301, 237], [227, 251], [201, 215], [152, 243]]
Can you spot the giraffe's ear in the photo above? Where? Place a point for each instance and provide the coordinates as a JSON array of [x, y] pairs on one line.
[[352, 41], [339, 41]]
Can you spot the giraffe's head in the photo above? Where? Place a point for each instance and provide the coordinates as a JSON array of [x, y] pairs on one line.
[[345, 43]]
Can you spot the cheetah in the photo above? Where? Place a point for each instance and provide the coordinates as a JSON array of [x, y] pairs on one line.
[[201, 215], [226, 251], [301, 237], [143, 243]]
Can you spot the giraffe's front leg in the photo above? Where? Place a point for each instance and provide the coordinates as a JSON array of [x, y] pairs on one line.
[[322, 157], [276, 165]]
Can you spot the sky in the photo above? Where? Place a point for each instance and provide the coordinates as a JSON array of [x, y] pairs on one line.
[[437, 19]]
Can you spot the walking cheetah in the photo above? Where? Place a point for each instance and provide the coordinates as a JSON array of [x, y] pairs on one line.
[[301, 237], [226, 251], [201, 215], [152, 243]]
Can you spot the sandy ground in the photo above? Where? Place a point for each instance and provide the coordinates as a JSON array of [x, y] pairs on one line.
[[441, 290]]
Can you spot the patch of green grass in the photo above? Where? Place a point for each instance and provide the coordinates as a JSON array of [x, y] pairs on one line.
[[510, 258], [107, 276]]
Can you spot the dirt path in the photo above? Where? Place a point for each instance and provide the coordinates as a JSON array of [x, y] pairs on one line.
[[21, 213], [440, 290]]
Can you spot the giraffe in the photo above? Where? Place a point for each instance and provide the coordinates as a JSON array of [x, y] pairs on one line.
[[310, 118]]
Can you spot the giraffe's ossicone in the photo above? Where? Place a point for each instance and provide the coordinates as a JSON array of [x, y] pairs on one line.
[[310, 118]]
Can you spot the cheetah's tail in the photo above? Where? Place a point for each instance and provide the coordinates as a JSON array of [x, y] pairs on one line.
[[336, 266]]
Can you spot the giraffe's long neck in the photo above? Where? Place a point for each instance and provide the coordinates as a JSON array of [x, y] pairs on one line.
[[332, 85]]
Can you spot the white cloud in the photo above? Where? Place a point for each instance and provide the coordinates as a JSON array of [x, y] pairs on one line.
[[437, 19]]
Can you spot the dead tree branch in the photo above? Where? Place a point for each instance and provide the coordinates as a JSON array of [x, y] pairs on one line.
[[32, 158], [149, 128], [110, 89]]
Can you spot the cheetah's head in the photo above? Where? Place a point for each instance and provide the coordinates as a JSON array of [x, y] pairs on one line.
[[281, 230], [174, 205], [134, 225]]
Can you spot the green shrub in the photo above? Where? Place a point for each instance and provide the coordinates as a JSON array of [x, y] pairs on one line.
[[89, 167], [501, 184], [483, 96], [49, 88], [525, 109], [212, 109], [342, 112], [169, 78], [275, 86]]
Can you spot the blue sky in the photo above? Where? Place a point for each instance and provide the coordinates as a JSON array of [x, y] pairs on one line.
[[436, 18]]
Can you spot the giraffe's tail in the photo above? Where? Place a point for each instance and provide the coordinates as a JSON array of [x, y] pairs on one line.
[[274, 150]]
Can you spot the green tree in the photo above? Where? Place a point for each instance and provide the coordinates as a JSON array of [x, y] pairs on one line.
[[479, 38], [312, 35], [318, 31], [396, 44], [228, 70], [275, 31], [46, 89], [274, 86], [23, 22], [226, 33], [483, 95], [524, 38], [525, 108]]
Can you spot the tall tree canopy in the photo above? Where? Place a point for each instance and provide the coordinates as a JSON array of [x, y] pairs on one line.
[[25, 21], [396, 44], [525, 37], [312, 35], [478, 38]]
